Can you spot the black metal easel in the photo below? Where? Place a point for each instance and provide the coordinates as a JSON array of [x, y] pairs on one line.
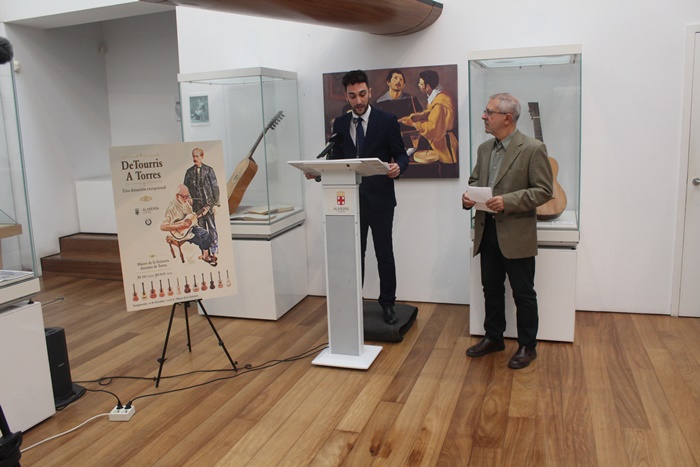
[[10, 444], [162, 359]]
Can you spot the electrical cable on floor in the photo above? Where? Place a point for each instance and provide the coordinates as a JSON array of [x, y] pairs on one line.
[[52, 301], [64, 433], [107, 380], [249, 368]]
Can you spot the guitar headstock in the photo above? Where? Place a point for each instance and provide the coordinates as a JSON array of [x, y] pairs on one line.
[[275, 120], [534, 108]]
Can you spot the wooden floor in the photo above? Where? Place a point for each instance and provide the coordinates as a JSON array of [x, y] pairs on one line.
[[627, 392]]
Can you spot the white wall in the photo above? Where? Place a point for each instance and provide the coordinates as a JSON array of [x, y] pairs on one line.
[[62, 94], [632, 85], [142, 66], [76, 101]]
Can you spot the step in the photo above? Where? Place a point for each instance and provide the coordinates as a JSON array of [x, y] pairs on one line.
[[85, 266], [79, 243]]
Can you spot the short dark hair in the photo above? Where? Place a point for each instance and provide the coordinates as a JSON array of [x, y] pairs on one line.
[[354, 77], [430, 78], [393, 72]]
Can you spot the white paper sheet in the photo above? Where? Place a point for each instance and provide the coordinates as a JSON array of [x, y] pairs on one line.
[[480, 194]]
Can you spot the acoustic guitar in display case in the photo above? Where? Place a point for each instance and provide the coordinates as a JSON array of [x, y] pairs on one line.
[[553, 208], [246, 169]]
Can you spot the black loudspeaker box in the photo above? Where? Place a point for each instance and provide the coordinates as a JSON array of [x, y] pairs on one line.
[[64, 391]]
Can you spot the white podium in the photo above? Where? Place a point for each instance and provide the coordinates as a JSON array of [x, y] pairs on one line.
[[341, 225]]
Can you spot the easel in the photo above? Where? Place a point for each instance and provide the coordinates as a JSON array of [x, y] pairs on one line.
[[162, 359]]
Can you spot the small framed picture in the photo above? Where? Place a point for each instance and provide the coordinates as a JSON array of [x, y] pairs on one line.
[[199, 110]]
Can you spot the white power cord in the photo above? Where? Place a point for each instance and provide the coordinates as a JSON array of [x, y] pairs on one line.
[[65, 432]]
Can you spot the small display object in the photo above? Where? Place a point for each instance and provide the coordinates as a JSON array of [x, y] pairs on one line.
[[547, 81], [18, 277], [254, 112]]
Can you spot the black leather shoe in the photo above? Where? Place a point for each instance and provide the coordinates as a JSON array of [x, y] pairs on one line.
[[523, 357], [485, 346], [389, 314]]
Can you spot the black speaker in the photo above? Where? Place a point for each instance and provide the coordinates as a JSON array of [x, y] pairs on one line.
[[64, 391]]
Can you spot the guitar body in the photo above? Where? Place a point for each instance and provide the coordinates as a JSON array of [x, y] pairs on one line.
[[221, 283], [187, 286], [212, 286], [239, 181], [184, 234], [204, 283], [555, 206]]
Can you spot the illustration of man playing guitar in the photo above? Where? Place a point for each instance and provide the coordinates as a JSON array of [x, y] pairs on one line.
[[180, 222]]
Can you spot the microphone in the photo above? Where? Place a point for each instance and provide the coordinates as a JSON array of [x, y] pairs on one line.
[[335, 138], [6, 53]]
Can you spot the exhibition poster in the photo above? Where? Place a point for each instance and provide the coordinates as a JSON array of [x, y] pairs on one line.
[[172, 223]]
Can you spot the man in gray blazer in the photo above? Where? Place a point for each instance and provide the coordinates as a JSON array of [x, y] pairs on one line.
[[517, 169]]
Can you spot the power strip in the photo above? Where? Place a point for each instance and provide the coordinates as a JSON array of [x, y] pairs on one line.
[[122, 415]]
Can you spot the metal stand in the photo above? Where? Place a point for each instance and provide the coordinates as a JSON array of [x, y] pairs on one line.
[[162, 359], [10, 444]]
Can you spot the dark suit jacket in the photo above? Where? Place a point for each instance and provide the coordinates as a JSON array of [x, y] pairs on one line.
[[203, 189], [383, 141], [525, 182]]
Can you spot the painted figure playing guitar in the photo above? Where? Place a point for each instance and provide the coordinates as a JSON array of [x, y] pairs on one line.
[[181, 224]]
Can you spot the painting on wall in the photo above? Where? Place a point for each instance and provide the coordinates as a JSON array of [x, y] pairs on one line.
[[424, 100]]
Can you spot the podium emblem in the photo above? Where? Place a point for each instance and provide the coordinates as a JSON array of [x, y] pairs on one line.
[[340, 198]]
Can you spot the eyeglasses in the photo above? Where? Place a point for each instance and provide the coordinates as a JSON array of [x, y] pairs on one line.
[[491, 112]]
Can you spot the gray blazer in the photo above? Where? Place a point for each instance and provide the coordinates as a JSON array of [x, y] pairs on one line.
[[525, 182]]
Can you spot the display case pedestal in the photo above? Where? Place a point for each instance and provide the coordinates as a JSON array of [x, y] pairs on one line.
[[271, 276], [555, 284], [26, 392]]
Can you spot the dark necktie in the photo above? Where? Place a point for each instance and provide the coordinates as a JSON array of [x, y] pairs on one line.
[[359, 135]]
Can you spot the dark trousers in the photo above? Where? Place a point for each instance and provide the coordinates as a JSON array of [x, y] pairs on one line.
[[521, 274], [381, 223], [207, 223], [201, 238]]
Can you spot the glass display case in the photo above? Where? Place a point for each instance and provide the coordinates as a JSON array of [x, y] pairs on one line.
[[18, 277], [254, 112], [547, 81]]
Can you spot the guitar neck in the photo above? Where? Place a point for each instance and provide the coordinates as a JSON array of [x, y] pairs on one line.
[[538, 128], [255, 146]]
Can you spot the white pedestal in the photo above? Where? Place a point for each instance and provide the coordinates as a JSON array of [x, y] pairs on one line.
[[555, 284], [272, 277], [26, 393]]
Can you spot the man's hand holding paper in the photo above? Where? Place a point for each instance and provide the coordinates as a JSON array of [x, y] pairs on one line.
[[479, 196]]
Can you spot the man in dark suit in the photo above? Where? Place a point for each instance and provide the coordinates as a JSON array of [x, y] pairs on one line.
[[368, 132], [201, 181], [517, 169]]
